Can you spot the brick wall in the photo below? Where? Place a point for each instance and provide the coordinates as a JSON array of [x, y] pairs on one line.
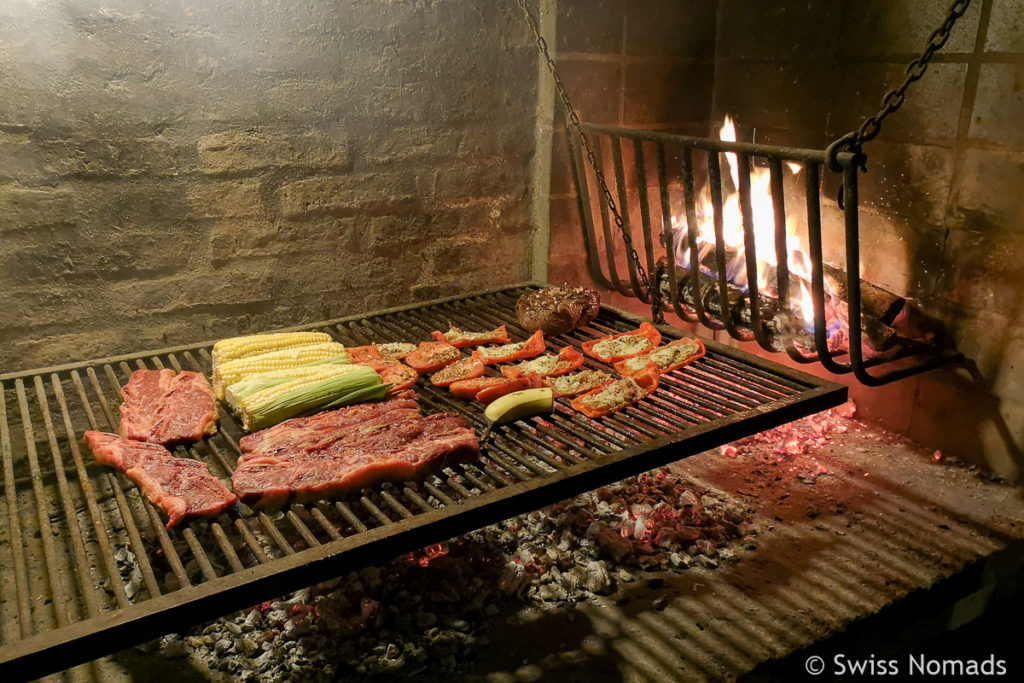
[[173, 172], [942, 220]]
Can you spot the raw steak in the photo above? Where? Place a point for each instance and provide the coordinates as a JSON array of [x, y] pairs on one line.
[[181, 487], [300, 433], [395, 448], [164, 407]]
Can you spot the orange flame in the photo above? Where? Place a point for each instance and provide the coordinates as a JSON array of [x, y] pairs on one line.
[[763, 222]]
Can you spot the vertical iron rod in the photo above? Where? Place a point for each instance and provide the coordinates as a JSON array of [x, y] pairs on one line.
[[106, 549], [13, 520], [609, 241], [750, 253], [620, 181], [54, 573], [640, 166], [718, 210], [587, 222], [87, 588], [693, 237]]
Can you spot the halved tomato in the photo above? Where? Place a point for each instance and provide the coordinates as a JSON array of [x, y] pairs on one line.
[[469, 388], [394, 372], [461, 339], [361, 354], [507, 386], [579, 383], [548, 365], [534, 346], [466, 368], [394, 350], [673, 355], [432, 356], [618, 394], [624, 345]]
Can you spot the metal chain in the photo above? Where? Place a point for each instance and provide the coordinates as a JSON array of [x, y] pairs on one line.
[[893, 100], [573, 122]]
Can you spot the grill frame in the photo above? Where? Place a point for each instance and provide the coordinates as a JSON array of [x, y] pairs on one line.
[[73, 641]]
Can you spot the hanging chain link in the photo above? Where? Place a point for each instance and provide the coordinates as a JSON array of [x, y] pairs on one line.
[[893, 100], [573, 126]]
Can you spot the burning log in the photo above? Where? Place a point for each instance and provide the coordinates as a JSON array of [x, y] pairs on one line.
[[783, 324], [876, 303]]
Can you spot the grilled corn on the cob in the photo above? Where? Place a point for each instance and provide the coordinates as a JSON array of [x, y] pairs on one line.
[[252, 345], [266, 398], [226, 374]]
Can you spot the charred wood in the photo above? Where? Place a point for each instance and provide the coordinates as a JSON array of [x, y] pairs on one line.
[[782, 325]]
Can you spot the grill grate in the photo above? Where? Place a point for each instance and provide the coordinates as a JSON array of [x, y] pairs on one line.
[[87, 568]]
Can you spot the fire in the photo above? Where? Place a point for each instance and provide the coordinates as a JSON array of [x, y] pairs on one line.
[[806, 304], [763, 214]]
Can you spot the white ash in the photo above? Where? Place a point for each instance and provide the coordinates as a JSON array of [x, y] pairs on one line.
[[425, 614]]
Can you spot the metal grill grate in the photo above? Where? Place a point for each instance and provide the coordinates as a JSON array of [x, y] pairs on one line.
[[87, 568]]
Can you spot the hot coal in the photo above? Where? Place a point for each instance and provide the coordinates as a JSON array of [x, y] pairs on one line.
[[428, 611]]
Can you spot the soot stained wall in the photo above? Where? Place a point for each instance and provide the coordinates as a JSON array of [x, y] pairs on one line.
[[646, 65], [941, 214], [942, 220], [173, 171]]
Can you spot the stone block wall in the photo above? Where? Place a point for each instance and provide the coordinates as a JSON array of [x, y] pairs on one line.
[[175, 171]]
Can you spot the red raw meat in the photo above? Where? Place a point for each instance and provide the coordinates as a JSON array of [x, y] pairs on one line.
[[299, 433], [181, 487], [165, 407], [391, 447]]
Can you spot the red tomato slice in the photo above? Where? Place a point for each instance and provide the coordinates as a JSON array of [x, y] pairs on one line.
[[580, 383], [631, 366], [394, 350], [616, 347], [461, 339], [507, 386], [361, 354], [534, 346], [567, 360], [469, 388], [432, 356], [394, 372], [467, 368], [618, 394]]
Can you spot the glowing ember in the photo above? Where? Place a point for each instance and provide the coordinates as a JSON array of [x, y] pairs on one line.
[[432, 552], [802, 439]]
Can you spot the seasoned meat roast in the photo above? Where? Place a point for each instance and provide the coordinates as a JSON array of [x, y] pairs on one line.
[[556, 310]]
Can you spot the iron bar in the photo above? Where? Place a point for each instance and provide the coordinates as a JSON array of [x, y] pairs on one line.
[[100, 529], [13, 521], [87, 588], [54, 573]]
